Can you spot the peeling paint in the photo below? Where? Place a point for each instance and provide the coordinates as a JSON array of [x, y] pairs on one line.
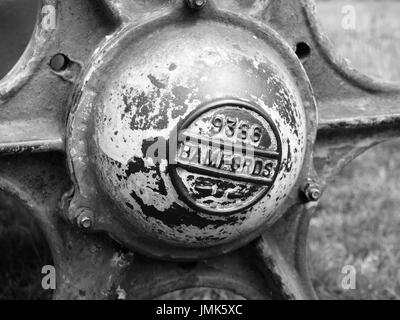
[[153, 87]]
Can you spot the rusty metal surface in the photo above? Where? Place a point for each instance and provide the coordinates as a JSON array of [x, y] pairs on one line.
[[74, 142], [145, 98]]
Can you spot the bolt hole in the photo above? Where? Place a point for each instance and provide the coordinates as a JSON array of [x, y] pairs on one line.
[[59, 62], [303, 51]]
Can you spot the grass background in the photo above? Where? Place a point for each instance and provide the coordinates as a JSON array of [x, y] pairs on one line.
[[358, 221]]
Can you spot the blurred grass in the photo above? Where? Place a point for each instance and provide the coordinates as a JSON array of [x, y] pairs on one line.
[[358, 224], [374, 45], [358, 221], [24, 251]]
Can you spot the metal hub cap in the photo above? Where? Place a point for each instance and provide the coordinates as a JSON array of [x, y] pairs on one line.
[[198, 134]]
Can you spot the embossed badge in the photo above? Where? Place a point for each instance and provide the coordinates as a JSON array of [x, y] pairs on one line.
[[227, 158]]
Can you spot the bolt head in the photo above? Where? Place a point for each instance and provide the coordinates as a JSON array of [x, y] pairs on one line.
[[312, 192], [85, 219], [86, 223]]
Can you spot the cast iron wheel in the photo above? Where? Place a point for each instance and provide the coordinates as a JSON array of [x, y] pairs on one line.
[[52, 152]]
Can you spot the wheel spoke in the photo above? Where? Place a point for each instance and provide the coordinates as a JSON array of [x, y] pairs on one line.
[[35, 95], [347, 128], [27, 123], [282, 251]]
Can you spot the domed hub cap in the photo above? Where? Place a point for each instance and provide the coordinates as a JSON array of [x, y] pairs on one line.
[[193, 137], [228, 157]]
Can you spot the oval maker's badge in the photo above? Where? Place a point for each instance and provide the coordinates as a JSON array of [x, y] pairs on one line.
[[227, 158]]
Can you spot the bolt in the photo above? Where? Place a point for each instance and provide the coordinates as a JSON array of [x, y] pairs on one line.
[[85, 218], [312, 191], [196, 4]]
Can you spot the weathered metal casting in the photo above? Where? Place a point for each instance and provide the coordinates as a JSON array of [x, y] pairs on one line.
[[165, 145]]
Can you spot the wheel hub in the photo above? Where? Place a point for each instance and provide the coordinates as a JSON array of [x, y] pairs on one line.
[[198, 135]]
